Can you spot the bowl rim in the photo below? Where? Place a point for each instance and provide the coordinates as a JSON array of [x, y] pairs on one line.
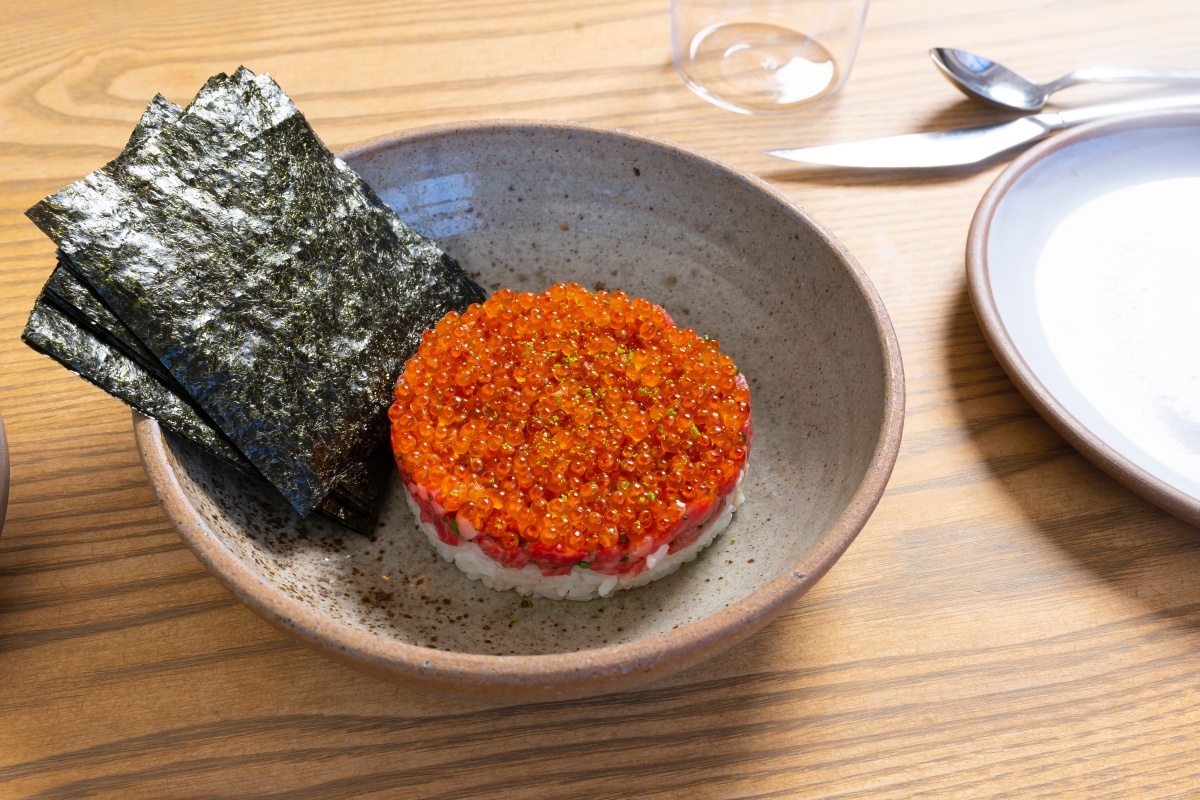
[[576, 673], [996, 333]]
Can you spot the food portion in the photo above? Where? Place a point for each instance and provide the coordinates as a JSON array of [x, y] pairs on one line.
[[568, 444], [229, 277], [227, 264]]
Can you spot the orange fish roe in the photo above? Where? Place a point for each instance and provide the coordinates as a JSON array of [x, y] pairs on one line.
[[568, 420]]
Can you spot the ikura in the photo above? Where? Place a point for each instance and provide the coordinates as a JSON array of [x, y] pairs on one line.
[[569, 420]]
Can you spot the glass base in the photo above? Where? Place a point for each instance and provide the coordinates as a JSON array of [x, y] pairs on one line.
[[753, 67]]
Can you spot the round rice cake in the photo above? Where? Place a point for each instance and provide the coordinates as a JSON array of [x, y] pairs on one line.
[[569, 443]]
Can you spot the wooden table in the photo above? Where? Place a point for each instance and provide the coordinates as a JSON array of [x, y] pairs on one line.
[[1011, 622]]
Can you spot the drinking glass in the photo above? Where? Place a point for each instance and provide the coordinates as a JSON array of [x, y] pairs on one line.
[[755, 56]]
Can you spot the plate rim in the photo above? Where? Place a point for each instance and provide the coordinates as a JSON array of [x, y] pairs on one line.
[[1089, 444], [583, 672]]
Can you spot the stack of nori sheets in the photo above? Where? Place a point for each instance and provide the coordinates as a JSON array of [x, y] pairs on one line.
[[227, 276]]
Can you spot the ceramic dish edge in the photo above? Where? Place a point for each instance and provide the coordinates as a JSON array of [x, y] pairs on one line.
[[1067, 425]]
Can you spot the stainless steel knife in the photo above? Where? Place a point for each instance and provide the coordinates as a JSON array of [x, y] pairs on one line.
[[969, 145]]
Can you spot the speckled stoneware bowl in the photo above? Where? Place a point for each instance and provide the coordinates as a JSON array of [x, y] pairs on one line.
[[524, 205]]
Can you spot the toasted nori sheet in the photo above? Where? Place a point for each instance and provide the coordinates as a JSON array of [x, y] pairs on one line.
[[68, 293], [353, 502], [71, 324], [158, 115], [271, 282], [53, 333]]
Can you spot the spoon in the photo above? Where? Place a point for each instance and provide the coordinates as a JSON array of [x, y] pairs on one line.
[[977, 77]]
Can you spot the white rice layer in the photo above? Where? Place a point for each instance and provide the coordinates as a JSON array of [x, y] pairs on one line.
[[579, 584]]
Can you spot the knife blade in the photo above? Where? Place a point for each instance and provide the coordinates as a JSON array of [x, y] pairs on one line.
[[969, 145]]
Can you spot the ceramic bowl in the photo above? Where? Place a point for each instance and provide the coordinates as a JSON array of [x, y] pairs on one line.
[[525, 205], [3, 474]]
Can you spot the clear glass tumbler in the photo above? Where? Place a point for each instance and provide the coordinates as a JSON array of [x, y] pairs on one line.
[[754, 56]]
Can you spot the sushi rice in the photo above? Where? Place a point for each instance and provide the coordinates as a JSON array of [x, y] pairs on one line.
[[580, 583]]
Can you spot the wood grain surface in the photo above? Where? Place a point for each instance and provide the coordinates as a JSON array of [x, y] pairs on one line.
[[1010, 623]]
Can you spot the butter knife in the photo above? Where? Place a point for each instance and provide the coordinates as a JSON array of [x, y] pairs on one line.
[[969, 145]]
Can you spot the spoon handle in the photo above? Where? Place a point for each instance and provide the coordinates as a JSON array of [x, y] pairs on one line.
[[1077, 116], [1125, 75]]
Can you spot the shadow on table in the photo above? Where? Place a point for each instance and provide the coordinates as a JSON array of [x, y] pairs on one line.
[[861, 176], [1117, 536], [316, 729]]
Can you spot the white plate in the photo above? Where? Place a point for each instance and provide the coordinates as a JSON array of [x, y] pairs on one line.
[[1084, 268]]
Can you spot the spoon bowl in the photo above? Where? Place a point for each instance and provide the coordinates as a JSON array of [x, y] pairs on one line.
[[983, 79]]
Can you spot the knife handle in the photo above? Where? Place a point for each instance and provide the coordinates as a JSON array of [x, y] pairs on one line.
[[1077, 116]]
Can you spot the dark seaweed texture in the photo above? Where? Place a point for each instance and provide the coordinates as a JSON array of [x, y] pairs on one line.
[[53, 333], [71, 324], [68, 293], [50, 331], [272, 284]]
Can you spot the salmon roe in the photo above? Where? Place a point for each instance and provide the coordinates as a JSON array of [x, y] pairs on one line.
[[583, 421]]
